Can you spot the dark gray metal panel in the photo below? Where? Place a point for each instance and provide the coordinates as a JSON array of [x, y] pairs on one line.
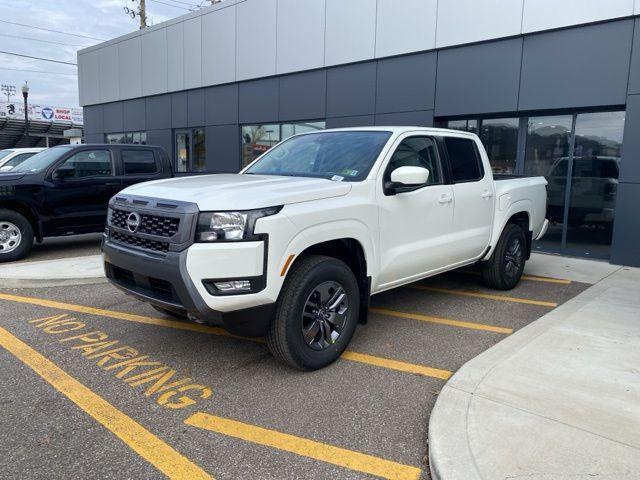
[[195, 108], [179, 110], [303, 96], [113, 117], [406, 83], [158, 112], [162, 138], [259, 101], [634, 76], [135, 113], [630, 164], [93, 137], [626, 234], [355, 121], [578, 67], [221, 105], [479, 78], [223, 148], [423, 118], [93, 120], [351, 90]]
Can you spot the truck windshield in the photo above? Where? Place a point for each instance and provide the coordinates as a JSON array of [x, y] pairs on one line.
[[41, 161], [347, 155], [4, 153]]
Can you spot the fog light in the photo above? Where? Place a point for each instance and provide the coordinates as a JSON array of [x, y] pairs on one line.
[[233, 286]]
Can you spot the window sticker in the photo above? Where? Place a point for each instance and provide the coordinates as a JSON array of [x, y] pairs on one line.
[[337, 178]]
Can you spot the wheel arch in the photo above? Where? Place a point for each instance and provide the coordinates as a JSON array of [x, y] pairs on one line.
[[26, 211], [353, 252], [519, 214]]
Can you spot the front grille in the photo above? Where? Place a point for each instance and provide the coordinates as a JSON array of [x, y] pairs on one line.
[[157, 225], [139, 242]]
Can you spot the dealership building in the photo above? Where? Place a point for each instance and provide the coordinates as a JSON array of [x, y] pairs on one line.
[[551, 87]]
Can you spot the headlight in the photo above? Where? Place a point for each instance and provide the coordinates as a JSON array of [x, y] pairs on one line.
[[230, 226]]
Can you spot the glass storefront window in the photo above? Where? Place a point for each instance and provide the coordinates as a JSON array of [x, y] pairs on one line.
[[191, 153], [547, 154], [127, 138], [500, 139], [464, 125], [257, 139], [594, 182]]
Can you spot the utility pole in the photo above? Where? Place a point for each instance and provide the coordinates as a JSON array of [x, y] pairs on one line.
[[9, 91], [140, 12]]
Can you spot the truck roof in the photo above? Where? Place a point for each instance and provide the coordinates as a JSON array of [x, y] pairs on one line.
[[396, 130]]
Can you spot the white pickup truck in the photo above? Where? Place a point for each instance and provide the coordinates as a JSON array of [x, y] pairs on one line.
[[294, 245]]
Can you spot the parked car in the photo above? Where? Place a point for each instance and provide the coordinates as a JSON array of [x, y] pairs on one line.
[[11, 157], [294, 245], [65, 190]]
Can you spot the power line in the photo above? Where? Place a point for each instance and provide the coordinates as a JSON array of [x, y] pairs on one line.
[[185, 3], [38, 71], [53, 31], [40, 40], [39, 58], [174, 6]]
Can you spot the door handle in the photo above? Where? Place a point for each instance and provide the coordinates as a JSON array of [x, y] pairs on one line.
[[112, 184], [445, 199], [487, 194]]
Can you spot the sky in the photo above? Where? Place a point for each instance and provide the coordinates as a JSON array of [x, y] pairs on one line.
[[57, 84]]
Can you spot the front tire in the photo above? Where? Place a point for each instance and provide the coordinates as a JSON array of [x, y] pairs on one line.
[[16, 236], [504, 270], [316, 314]]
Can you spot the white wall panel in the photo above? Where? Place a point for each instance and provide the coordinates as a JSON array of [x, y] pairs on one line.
[[351, 31], [407, 26], [256, 38], [466, 21], [175, 57], [88, 78], [219, 46], [571, 12], [130, 68], [192, 49], [636, 8], [154, 62], [300, 35], [109, 77]]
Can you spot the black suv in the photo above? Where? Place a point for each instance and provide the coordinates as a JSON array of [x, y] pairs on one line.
[[65, 190]]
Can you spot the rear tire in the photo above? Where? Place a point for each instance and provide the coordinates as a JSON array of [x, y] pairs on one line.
[[16, 236], [504, 269], [316, 314]]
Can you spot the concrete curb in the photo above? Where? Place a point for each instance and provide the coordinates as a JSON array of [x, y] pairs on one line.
[[53, 273], [451, 453]]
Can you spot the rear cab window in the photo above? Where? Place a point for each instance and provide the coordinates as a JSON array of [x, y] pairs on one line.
[[139, 162], [464, 159]]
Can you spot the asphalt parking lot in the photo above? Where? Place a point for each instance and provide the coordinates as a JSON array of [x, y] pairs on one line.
[[97, 384]]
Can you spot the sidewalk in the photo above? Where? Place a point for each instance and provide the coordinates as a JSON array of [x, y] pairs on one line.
[[53, 273], [559, 399]]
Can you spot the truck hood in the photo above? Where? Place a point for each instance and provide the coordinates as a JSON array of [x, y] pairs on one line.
[[240, 192], [10, 177]]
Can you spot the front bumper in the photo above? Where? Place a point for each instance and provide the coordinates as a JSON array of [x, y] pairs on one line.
[[172, 281]]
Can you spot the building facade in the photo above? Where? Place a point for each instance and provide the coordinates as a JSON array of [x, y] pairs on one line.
[[551, 87]]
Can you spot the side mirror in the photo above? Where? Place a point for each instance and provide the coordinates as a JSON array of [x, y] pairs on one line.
[[64, 171], [406, 179]]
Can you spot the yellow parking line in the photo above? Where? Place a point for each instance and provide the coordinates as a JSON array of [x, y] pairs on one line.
[[139, 439], [350, 459], [536, 278], [466, 293], [531, 278], [195, 327], [396, 365], [442, 321]]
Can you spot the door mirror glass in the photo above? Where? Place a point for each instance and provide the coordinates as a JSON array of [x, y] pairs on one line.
[[410, 176], [65, 171]]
